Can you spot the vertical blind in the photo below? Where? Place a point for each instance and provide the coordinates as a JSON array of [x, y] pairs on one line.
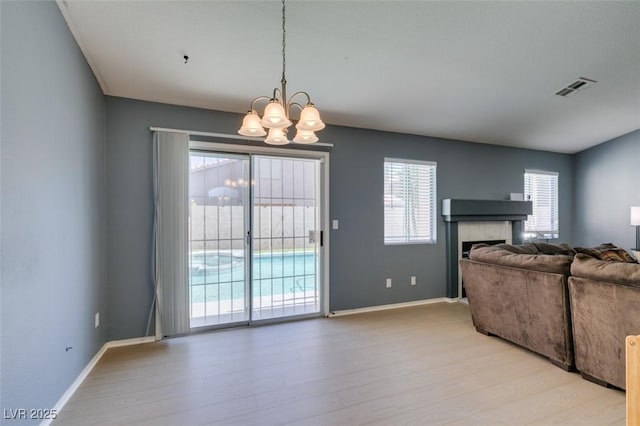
[[409, 201], [171, 230], [541, 188]]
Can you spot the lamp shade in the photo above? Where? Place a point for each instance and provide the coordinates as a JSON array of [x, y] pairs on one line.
[[275, 116], [635, 216], [251, 125], [305, 136], [310, 119], [276, 136]]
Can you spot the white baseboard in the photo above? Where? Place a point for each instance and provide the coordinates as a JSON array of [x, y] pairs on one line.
[[393, 306], [85, 372], [130, 342]]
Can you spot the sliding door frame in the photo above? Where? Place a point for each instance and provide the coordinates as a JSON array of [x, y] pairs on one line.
[[324, 209]]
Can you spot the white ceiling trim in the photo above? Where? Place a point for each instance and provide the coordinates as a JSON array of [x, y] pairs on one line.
[[62, 5]]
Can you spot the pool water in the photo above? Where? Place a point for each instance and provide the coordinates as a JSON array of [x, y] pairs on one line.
[[220, 276]]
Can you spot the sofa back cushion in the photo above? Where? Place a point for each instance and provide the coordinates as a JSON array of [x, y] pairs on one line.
[[523, 257], [585, 266], [547, 248]]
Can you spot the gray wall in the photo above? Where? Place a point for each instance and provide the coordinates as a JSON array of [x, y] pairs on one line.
[[607, 180], [359, 260], [53, 217]]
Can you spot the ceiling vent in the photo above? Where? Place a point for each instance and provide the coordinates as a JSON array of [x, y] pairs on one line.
[[577, 86]]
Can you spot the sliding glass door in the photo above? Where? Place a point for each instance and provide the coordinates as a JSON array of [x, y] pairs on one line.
[[286, 243], [255, 238], [218, 228]]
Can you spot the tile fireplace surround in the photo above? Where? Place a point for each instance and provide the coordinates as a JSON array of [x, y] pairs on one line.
[[474, 220]]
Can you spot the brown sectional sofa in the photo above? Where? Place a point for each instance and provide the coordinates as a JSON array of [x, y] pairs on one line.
[[520, 293], [605, 308], [553, 300]]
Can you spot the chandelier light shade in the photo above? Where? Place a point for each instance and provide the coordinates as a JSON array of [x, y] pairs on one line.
[[277, 113], [635, 221], [251, 125], [310, 119], [276, 136], [274, 116], [305, 136]]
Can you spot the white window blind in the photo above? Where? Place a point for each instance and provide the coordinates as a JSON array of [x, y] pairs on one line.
[[409, 201], [541, 188]]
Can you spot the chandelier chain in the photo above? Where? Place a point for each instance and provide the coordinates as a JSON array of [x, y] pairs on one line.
[[284, 43], [276, 113]]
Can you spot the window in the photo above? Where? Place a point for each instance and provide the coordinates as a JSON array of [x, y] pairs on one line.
[[409, 201], [541, 188]]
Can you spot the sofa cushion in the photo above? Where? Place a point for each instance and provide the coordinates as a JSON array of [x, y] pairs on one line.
[[535, 248], [503, 254], [518, 249], [546, 248], [609, 252], [585, 266]]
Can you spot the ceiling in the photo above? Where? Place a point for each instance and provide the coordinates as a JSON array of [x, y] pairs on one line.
[[476, 71]]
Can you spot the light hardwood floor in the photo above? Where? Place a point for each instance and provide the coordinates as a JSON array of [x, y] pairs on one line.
[[421, 365]]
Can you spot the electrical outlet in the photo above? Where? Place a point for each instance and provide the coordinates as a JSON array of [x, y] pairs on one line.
[[96, 320], [413, 280], [335, 224], [388, 282]]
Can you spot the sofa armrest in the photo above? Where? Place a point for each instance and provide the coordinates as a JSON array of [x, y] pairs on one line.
[[529, 308]]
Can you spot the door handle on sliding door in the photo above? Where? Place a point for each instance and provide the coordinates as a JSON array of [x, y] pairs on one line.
[[313, 237]]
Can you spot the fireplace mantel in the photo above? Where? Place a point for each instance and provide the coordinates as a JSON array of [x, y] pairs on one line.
[[454, 210], [457, 210]]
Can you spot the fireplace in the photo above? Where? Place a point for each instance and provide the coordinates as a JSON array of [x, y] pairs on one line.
[[479, 220]]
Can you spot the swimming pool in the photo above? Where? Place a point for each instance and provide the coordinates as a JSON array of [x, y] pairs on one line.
[[220, 276]]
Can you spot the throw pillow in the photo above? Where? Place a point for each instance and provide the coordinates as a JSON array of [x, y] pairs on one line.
[[608, 252]]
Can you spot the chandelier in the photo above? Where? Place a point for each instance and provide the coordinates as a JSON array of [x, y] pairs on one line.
[[277, 112]]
